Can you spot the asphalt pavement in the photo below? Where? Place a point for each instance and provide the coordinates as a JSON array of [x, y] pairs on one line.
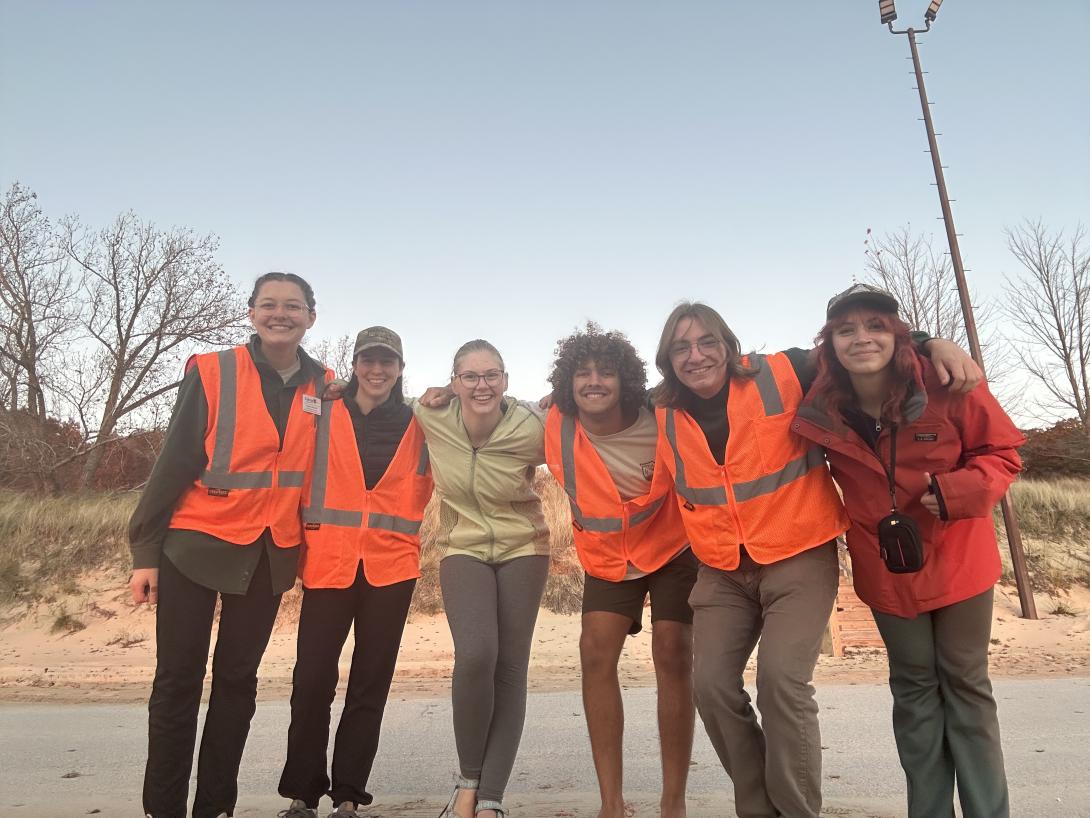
[[62, 761]]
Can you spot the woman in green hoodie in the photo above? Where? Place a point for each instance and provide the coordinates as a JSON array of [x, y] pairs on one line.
[[484, 450]]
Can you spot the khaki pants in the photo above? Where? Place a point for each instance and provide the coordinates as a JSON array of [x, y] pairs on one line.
[[944, 715], [776, 771]]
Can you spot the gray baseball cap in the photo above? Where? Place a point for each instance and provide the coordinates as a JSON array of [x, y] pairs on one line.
[[382, 337], [862, 295]]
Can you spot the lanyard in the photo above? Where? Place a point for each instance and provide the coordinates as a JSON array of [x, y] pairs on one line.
[[892, 470]]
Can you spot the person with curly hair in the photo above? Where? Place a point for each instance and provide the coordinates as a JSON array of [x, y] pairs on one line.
[[600, 442]]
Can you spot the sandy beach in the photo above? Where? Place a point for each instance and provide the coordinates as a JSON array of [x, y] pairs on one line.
[[112, 658]]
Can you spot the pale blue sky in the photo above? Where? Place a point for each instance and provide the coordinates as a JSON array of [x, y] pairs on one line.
[[509, 169]]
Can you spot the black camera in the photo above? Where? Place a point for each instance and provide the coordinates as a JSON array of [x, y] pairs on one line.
[[900, 543]]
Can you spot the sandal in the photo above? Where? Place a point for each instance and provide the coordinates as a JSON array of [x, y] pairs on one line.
[[493, 805], [460, 783]]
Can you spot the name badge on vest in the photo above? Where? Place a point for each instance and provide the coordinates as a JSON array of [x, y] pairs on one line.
[[218, 492], [312, 405], [926, 437], [311, 526]]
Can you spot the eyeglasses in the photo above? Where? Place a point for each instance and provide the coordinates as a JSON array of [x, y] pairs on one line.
[[471, 379], [290, 307], [707, 346]]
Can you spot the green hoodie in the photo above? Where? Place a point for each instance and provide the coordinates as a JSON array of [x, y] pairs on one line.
[[489, 509]]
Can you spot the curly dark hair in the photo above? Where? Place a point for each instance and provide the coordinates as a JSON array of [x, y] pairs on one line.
[[607, 349]]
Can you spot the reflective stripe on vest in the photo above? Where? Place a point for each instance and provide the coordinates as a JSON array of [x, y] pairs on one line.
[[567, 457], [422, 466], [769, 483], [391, 522], [765, 381], [715, 496], [218, 474], [316, 512]]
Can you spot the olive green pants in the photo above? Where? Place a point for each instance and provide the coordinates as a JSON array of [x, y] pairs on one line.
[[944, 715]]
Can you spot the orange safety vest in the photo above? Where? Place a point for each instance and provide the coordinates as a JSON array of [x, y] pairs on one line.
[[250, 482], [773, 494], [610, 533], [345, 522]]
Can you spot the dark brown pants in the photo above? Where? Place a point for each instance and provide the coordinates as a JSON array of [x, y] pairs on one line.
[[776, 770]]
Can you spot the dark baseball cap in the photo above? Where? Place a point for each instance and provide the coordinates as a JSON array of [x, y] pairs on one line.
[[862, 295], [373, 337]]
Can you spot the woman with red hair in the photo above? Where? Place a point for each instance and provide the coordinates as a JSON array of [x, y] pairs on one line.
[[920, 469]]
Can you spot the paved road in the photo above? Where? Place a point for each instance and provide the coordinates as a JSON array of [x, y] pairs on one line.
[[65, 761]]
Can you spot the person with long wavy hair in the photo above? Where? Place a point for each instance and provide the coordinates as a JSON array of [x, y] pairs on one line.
[[762, 515], [898, 440]]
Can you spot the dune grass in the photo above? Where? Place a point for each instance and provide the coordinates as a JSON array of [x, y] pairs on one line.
[[47, 543]]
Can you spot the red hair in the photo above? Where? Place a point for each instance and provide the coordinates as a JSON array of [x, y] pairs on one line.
[[833, 386]]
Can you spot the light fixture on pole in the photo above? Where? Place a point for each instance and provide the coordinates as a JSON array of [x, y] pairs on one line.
[[1010, 520]]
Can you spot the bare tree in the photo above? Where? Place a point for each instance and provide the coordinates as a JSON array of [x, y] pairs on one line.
[[39, 311], [1049, 310], [152, 296], [335, 353], [921, 280]]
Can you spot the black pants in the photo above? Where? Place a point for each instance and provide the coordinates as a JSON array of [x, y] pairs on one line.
[[378, 614], [183, 630]]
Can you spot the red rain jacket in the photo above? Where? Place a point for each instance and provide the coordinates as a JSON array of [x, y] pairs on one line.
[[968, 443]]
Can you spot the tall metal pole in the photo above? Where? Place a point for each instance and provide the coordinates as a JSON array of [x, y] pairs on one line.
[[1010, 520]]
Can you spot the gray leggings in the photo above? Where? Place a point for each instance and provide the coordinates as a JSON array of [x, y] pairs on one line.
[[491, 609]]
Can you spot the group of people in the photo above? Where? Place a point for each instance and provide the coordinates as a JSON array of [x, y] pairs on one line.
[[711, 494]]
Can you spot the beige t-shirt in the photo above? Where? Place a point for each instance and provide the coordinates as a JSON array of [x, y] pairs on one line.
[[629, 457]]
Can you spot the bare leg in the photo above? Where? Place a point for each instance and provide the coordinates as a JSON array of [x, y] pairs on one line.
[[600, 646], [672, 651]]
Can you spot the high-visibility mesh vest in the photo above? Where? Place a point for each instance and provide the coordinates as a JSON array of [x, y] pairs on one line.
[[773, 494], [610, 533], [345, 522], [250, 482]]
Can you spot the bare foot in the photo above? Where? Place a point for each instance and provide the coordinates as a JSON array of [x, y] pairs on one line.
[[672, 809], [621, 810]]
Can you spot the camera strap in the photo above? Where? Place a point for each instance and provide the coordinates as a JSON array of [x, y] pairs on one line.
[[891, 470]]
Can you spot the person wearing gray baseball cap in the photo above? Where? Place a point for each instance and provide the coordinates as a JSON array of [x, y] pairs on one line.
[[362, 513], [920, 468], [861, 295]]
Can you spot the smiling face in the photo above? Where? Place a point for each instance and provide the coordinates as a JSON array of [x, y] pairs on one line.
[[863, 342], [698, 357], [280, 314], [596, 390], [377, 370], [483, 397]]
